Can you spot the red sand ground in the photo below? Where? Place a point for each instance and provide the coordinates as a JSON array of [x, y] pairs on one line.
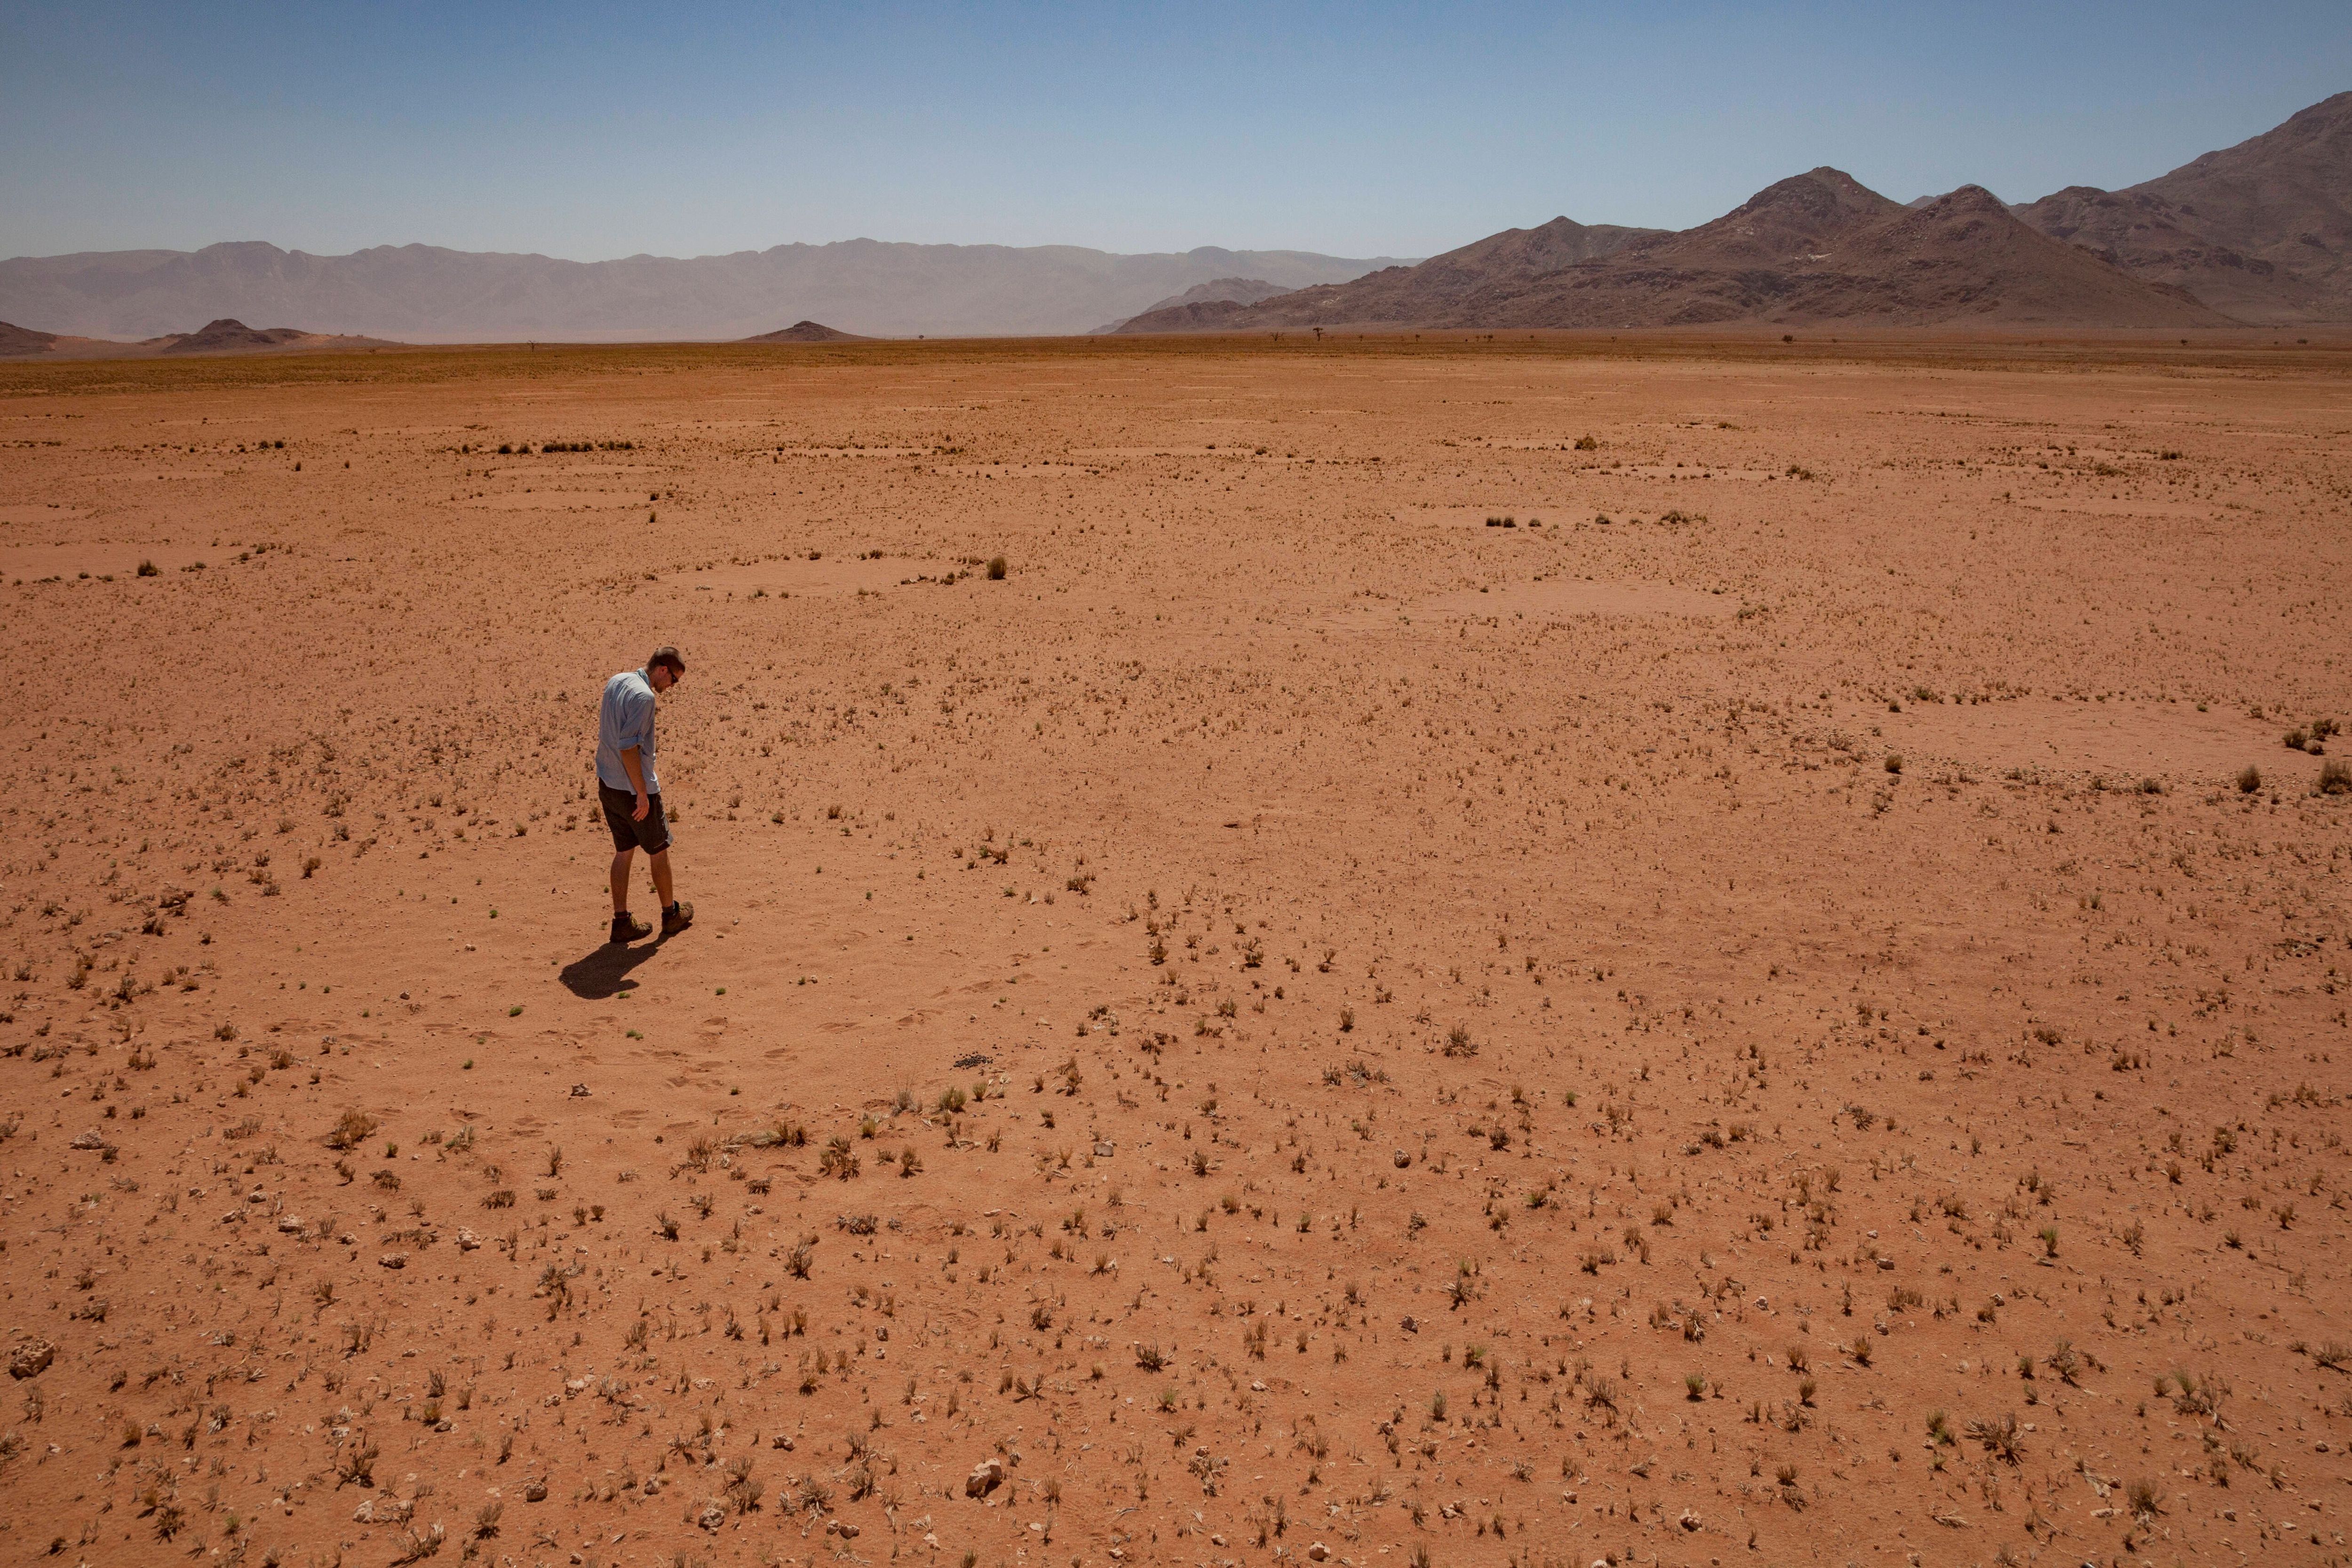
[[1298, 1024]]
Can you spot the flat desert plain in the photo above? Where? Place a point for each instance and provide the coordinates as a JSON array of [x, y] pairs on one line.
[[1538, 952]]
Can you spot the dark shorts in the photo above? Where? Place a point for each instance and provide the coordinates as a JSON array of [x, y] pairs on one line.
[[652, 834]]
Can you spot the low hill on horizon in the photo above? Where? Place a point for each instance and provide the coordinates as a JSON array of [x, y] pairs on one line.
[[227, 334], [15, 340], [808, 333]]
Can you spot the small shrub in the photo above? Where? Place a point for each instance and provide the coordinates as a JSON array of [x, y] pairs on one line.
[[837, 1159], [355, 1465], [2200, 1397], [2001, 1438], [996, 569], [351, 1131], [2250, 779], [2335, 777]]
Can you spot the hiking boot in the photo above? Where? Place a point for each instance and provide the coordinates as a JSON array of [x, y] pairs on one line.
[[627, 928], [676, 918]]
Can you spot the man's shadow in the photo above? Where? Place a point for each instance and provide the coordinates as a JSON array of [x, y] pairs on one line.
[[606, 972]]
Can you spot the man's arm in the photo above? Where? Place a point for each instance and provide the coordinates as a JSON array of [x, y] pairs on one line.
[[631, 765]]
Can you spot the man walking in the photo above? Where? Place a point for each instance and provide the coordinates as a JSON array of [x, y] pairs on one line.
[[631, 790]]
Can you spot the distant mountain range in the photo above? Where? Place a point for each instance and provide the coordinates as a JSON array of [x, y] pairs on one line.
[[2261, 230], [2260, 233], [1819, 247], [422, 293]]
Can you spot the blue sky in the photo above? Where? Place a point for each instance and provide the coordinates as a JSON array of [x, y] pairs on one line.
[[587, 131]]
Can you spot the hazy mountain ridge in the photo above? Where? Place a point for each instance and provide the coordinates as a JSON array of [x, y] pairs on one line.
[[1216, 291], [1447, 284], [425, 293]]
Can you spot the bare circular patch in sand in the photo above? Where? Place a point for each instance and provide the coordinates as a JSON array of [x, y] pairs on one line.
[[32, 562], [2124, 742], [1566, 598], [559, 501], [1543, 599], [1537, 519], [828, 577]]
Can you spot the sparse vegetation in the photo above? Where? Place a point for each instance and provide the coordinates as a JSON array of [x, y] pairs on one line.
[[1556, 979]]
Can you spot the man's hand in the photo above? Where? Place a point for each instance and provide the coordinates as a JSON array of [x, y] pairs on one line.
[[629, 766]]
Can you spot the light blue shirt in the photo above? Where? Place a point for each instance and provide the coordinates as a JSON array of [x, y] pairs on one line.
[[625, 719]]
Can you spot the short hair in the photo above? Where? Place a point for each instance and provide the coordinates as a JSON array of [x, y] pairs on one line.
[[669, 656]]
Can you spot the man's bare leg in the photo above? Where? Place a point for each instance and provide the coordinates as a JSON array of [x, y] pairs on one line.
[[659, 861], [621, 881]]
